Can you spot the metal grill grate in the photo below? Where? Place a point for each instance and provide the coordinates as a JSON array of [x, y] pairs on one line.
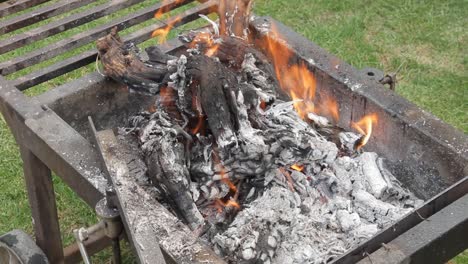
[[23, 27]]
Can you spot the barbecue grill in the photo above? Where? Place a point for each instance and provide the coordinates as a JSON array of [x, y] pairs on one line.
[[53, 132]]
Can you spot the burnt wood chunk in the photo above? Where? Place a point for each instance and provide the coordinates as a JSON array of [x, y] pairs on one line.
[[167, 165], [216, 83], [234, 17], [124, 66]]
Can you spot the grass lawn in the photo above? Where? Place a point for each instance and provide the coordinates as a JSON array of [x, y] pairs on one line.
[[428, 37]]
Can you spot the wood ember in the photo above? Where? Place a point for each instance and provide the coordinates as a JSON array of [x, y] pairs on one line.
[[259, 183]]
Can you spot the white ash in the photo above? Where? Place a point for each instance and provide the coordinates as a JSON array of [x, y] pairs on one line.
[[314, 215], [310, 226]]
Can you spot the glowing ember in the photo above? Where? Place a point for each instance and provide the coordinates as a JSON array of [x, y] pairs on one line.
[[297, 167], [263, 105], [206, 39], [152, 108], [220, 205], [364, 127], [199, 128], [288, 177], [224, 176]]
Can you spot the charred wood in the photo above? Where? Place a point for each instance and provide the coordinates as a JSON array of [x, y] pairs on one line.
[[122, 65], [234, 17]]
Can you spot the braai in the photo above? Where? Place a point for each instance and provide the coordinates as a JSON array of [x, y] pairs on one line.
[[241, 151], [236, 142]]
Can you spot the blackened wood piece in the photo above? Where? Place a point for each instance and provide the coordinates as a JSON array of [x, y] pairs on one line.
[[216, 82], [167, 167], [123, 66], [232, 50], [234, 17], [43, 208]]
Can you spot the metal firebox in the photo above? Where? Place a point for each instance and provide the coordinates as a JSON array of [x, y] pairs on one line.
[[53, 132]]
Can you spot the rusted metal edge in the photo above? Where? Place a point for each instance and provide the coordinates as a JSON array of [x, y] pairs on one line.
[[61, 25], [8, 8], [149, 225], [86, 37], [85, 58], [435, 240], [41, 14]]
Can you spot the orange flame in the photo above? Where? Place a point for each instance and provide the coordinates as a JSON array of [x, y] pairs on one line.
[[224, 176], [297, 167], [167, 96], [364, 127], [220, 205], [329, 107], [206, 39], [163, 32], [200, 125], [165, 8], [297, 80]]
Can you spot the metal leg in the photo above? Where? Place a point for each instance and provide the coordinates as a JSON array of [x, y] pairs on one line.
[[43, 208]]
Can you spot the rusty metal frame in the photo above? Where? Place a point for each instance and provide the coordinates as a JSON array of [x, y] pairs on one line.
[[48, 143]]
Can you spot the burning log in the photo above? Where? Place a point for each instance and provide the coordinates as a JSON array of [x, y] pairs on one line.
[[216, 84], [235, 17]]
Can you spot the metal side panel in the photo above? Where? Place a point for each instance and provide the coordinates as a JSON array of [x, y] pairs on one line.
[[435, 240], [149, 225]]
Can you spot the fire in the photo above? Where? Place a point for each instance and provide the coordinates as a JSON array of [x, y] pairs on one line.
[[329, 107], [152, 108], [364, 127], [288, 177], [165, 8], [297, 80], [199, 128], [220, 205], [162, 33], [167, 96], [206, 39], [297, 167], [224, 176], [263, 105]]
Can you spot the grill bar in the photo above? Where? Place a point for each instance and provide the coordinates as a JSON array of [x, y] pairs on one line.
[[7, 8], [64, 24], [40, 14], [86, 37], [88, 57]]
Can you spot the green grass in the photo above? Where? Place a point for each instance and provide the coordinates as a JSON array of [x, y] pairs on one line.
[[429, 38]]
